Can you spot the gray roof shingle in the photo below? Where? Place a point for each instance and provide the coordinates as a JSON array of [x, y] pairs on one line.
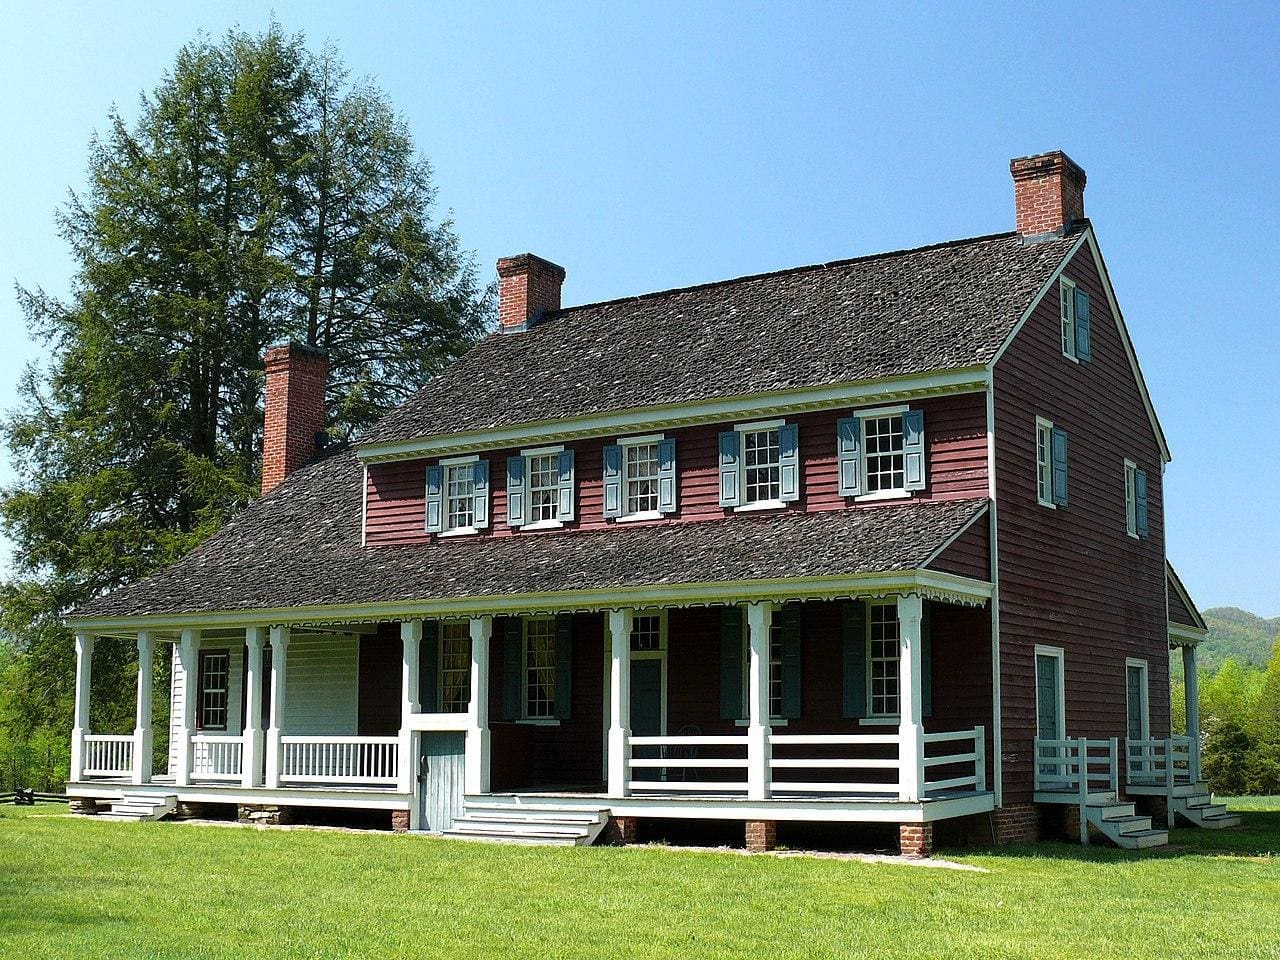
[[934, 308], [300, 547]]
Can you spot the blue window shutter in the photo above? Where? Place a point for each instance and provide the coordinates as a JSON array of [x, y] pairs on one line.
[[564, 666], [1059, 451], [513, 670], [913, 449], [435, 499], [849, 456], [789, 625], [853, 650], [926, 660], [613, 481], [429, 667], [730, 452], [788, 462], [1082, 326], [515, 492], [566, 485], [667, 475], [480, 493], [732, 674], [1140, 498]]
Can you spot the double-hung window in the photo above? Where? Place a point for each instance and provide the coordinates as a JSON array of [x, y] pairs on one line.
[[455, 666], [1051, 464], [213, 678], [540, 488], [759, 465], [640, 478], [880, 453], [458, 496], [1135, 500], [539, 668], [883, 635]]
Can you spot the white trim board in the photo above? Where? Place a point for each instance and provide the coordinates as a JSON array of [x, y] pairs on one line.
[[664, 417], [931, 584]]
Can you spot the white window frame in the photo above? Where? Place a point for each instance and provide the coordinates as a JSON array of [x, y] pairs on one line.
[[757, 426], [525, 717], [1131, 499], [659, 654], [204, 690], [465, 671], [554, 524], [1067, 318], [1044, 491], [624, 443], [873, 716], [897, 493], [445, 465], [775, 628]]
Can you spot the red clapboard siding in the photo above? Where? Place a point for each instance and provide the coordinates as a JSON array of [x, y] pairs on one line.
[[1178, 612], [378, 682], [969, 555], [1071, 577], [955, 433]]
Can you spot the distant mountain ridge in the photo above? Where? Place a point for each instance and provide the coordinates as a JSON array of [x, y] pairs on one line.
[[1237, 633]]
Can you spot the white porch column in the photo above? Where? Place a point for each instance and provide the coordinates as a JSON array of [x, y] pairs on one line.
[[1192, 682], [188, 650], [910, 675], [279, 675], [411, 635], [80, 729], [143, 737], [251, 747], [619, 701], [759, 623], [476, 776]]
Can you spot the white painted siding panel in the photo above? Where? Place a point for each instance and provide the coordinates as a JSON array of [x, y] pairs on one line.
[[175, 706], [321, 691]]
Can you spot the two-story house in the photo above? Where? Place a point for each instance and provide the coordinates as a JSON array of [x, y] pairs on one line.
[[874, 541]]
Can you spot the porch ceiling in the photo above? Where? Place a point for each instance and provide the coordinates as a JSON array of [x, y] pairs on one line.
[[299, 551]]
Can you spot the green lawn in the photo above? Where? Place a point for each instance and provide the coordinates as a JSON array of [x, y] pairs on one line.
[[78, 888]]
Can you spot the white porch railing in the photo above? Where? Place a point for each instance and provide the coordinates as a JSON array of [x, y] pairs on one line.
[[960, 757], [710, 764], [359, 760], [1077, 764], [847, 767], [1175, 760], [108, 755], [805, 764], [216, 758]]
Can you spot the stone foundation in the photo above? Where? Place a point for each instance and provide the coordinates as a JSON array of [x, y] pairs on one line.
[[86, 806], [264, 814], [762, 835], [621, 830], [190, 810], [1016, 823], [915, 840], [400, 821]]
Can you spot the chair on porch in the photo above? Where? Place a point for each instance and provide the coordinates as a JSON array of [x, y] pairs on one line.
[[683, 751]]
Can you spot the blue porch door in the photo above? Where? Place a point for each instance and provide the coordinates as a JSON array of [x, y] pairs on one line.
[[440, 779]]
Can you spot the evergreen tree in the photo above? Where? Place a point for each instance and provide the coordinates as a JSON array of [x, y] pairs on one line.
[[259, 196]]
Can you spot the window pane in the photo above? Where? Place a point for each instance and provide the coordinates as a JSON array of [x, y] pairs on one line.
[[884, 660], [540, 668], [459, 497], [213, 690], [761, 465], [646, 633], [544, 486], [775, 671], [883, 445], [640, 468], [455, 667]]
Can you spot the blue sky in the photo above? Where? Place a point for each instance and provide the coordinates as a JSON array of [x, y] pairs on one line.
[[657, 145]]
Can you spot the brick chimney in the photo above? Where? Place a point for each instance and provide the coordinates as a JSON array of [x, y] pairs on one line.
[[1048, 193], [295, 413], [528, 287]]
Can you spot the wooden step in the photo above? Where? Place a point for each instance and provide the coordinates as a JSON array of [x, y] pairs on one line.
[[1141, 839]]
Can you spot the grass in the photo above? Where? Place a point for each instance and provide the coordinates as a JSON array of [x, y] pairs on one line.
[[72, 887]]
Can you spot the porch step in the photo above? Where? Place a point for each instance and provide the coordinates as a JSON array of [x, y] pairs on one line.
[[140, 807], [1200, 810], [544, 824]]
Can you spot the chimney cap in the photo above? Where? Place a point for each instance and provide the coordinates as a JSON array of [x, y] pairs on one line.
[[527, 263], [1039, 165]]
